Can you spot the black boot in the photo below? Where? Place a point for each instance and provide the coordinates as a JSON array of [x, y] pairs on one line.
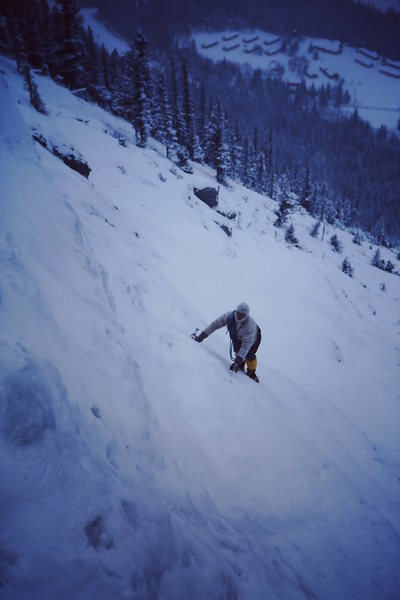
[[252, 375]]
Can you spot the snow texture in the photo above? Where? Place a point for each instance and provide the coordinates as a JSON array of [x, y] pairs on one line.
[[133, 463]]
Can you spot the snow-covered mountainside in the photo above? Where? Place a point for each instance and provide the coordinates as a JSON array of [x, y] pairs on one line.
[[101, 34], [134, 464], [372, 82]]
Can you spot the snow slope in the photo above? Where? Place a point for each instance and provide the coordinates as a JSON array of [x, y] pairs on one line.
[[133, 464], [102, 35], [375, 94]]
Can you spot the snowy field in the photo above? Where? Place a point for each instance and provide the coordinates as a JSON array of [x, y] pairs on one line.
[[133, 464], [375, 94]]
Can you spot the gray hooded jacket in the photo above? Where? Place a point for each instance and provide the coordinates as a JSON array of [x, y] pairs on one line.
[[247, 331]]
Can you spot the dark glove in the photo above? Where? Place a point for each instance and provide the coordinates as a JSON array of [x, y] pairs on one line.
[[199, 338], [238, 365]]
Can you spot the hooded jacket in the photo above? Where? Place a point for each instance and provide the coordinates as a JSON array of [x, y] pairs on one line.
[[246, 331]]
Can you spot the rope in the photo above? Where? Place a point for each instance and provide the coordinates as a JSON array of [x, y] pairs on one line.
[[230, 349]]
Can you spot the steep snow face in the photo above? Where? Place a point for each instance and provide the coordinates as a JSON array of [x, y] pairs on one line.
[[133, 464]]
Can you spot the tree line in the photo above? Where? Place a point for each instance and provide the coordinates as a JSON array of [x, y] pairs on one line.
[[288, 144], [357, 23]]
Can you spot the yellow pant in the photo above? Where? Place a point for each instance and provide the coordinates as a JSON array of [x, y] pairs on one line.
[[251, 364]]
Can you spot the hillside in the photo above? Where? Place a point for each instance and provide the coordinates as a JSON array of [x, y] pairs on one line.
[[133, 463], [372, 82]]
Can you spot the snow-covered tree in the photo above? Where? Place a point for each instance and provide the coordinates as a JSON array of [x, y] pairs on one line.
[[336, 244], [162, 124], [70, 47], [290, 235], [347, 268], [32, 88], [377, 260], [315, 229], [285, 199], [142, 90], [305, 197], [188, 114], [217, 151]]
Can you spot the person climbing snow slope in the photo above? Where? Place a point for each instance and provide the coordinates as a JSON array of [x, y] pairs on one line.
[[245, 336]]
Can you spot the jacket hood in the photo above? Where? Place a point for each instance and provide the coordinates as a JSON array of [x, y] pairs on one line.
[[244, 309]]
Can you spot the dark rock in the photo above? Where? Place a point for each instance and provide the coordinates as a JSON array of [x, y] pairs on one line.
[[207, 195]]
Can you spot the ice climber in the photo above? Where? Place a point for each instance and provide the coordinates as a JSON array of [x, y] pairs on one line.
[[245, 336]]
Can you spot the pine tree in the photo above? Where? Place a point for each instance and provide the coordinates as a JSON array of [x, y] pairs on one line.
[[105, 67], [245, 175], [305, 198], [34, 96], [290, 235], [70, 44], [357, 238], [5, 40], [260, 183], [315, 229], [163, 121], [234, 145], [46, 35], [335, 243], [338, 96], [141, 97], [389, 266], [15, 34], [28, 17], [92, 67], [202, 118], [347, 268], [217, 150], [284, 199], [377, 260], [177, 120], [188, 114]]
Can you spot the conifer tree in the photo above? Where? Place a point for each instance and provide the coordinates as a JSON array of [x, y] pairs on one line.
[[284, 199], [70, 44], [177, 120], [92, 68], [15, 34], [188, 114], [260, 182], [141, 97], [46, 36], [336, 244], [245, 163], [315, 229], [32, 88], [235, 146], [163, 121], [202, 118], [105, 67], [377, 260], [217, 149], [29, 22], [305, 198], [347, 268], [290, 236], [5, 41]]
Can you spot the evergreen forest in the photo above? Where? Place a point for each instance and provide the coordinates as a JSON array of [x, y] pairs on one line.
[[293, 145]]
